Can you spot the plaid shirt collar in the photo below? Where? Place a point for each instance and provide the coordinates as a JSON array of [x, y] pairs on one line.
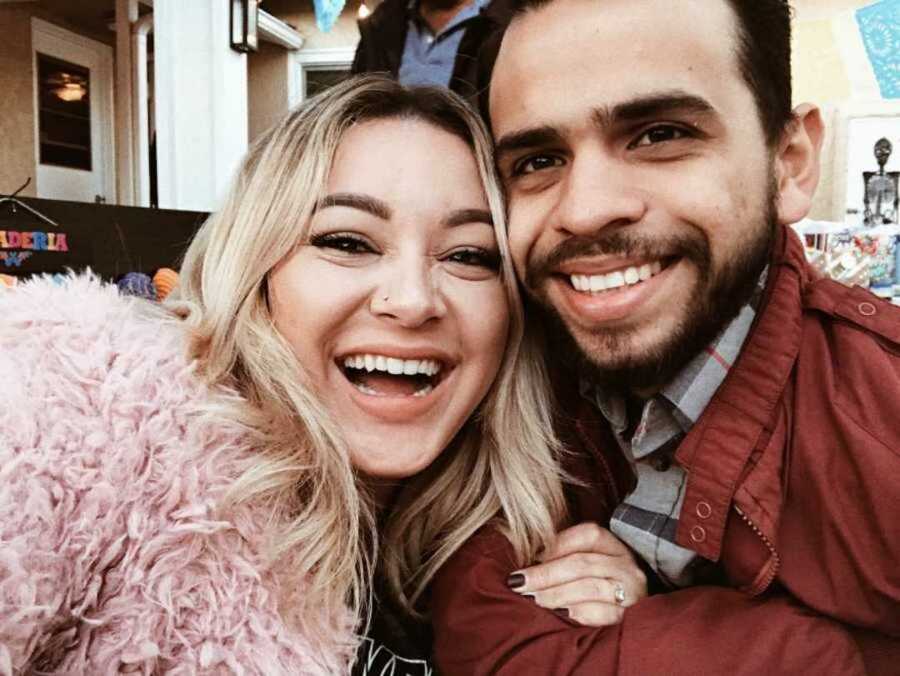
[[673, 411]]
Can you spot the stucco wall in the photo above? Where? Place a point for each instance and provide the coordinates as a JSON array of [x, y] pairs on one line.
[[267, 72], [16, 105], [17, 153], [832, 70], [344, 33]]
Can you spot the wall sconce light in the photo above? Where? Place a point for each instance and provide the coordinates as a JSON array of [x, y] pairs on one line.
[[244, 25]]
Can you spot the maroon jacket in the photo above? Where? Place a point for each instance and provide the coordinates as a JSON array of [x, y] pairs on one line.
[[793, 488]]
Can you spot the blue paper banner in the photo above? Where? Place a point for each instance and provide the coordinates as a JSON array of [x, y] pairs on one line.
[[880, 28], [327, 12]]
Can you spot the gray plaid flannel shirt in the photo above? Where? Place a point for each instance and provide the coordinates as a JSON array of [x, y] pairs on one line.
[[648, 518]]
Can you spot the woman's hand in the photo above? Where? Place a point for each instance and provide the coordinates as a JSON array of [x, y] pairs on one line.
[[587, 575]]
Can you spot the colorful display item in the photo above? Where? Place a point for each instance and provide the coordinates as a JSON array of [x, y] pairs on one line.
[[33, 241], [165, 280], [858, 256], [137, 284]]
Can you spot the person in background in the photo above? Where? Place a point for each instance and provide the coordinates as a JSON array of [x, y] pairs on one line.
[[736, 413], [262, 474], [445, 43]]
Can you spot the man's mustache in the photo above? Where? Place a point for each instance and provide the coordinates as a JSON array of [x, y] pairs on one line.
[[693, 246]]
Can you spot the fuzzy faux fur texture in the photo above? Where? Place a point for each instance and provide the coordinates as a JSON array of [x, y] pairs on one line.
[[111, 557]]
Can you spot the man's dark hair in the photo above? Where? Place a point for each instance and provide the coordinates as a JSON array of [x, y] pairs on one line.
[[764, 57]]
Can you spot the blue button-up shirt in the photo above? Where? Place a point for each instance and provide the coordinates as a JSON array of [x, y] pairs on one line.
[[428, 58]]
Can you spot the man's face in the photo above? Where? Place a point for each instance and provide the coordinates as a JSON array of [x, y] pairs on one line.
[[640, 185]]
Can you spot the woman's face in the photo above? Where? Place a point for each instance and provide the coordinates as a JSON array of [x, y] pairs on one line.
[[394, 305]]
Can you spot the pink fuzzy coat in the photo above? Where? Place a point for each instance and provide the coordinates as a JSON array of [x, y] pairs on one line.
[[112, 557]]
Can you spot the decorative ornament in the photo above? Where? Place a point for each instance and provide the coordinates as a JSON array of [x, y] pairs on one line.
[[327, 12], [137, 284], [879, 25], [165, 279]]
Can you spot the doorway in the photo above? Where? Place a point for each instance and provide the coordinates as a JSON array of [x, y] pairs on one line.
[[73, 113]]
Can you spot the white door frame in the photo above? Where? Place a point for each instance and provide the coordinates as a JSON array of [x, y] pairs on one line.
[[330, 58], [45, 38]]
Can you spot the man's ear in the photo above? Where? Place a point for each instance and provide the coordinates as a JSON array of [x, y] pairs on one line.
[[797, 163]]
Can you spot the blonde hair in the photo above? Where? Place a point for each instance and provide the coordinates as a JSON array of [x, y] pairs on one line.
[[501, 464]]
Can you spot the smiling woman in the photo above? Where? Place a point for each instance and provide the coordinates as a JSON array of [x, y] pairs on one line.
[[265, 473]]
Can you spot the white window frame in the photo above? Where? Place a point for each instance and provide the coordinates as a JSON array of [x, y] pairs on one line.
[[325, 58]]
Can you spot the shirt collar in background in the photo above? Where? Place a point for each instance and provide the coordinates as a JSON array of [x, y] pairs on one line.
[[429, 58]]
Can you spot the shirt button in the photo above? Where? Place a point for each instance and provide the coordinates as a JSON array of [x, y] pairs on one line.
[[867, 309], [704, 511], [698, 534]]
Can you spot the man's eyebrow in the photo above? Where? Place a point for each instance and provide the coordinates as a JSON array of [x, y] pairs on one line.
[[526, 138], [464, 216], [365, 203], [653, 105]]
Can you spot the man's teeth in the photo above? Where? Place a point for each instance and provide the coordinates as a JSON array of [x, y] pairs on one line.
[[617, 279], [396, 367]]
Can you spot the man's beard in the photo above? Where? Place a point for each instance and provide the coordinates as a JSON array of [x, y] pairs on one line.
[[717, 298]]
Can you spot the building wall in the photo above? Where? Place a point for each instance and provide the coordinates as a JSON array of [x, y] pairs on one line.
[[267, 71], [832, 70], [301, 16], [17, 153], [16, 104]]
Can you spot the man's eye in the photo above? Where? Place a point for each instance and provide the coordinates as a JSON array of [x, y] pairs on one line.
[[529, 165], [475, 257], [659, 134], [348, 244]]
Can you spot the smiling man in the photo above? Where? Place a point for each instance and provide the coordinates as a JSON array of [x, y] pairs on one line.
[[738, 415]]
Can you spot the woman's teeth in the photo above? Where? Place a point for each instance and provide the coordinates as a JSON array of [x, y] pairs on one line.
[[396, 367], [617, 279]]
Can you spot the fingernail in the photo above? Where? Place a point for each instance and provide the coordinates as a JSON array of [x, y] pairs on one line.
[[515, 581], [561, 612]]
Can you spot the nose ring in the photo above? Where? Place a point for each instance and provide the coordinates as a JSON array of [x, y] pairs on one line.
[[385, 299]]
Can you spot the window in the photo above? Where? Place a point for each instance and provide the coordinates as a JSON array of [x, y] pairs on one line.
[[320, 79], [321, 69], [64, 123]]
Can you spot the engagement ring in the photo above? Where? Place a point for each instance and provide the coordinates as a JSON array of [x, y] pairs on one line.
[[619, 595]]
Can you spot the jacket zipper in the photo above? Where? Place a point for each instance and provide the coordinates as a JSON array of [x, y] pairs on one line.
[[776, 560]]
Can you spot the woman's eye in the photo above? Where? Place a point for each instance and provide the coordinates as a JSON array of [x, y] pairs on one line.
[[348, 244], [659, 134], [534, 163], [475, 257]]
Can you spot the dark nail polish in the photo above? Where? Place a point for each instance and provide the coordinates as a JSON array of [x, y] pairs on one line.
[[562, 612], [515, 581]]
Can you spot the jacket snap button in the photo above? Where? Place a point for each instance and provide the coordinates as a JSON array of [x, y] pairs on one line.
[[704, 511], [867, 309], [698, 534]]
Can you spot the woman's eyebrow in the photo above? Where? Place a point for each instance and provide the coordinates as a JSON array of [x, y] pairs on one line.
[[365, 203], [464, 216]]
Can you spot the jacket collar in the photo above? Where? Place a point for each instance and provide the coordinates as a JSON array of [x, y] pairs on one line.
[[719, 446]]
